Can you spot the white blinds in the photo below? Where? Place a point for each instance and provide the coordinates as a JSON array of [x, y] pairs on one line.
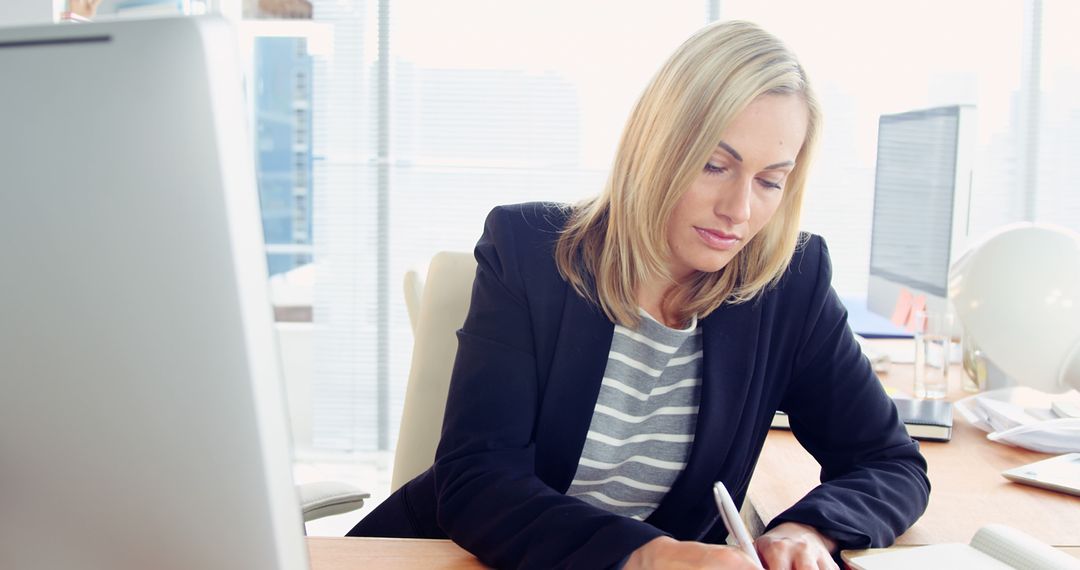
[[1058, 198], [344, 389]]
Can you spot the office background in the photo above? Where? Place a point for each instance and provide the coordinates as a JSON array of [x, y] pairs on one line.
[[480, 103], [385, 131]]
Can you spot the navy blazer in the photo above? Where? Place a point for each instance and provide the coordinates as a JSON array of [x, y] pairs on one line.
[[531, 356]]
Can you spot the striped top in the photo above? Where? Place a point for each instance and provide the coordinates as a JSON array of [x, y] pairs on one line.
[[644, 419]]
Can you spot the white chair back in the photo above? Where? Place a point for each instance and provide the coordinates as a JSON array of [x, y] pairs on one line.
[[440, 312], [414, 288]]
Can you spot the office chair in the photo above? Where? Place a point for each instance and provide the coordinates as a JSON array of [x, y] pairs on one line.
[[329, 498], [414, 289], [437, 309]]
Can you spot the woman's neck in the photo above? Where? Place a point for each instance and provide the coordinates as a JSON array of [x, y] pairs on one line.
[[650, 297]]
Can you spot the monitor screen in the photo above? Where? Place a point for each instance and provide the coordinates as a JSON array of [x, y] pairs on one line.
[[913, 198]]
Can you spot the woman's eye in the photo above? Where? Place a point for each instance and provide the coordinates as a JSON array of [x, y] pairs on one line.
[[769, 184], [714, 168]]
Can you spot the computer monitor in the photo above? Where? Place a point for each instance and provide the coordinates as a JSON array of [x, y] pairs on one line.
[[922, 193], [142, 421]]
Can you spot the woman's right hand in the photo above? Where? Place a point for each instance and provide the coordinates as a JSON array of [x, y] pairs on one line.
[[667, 553]]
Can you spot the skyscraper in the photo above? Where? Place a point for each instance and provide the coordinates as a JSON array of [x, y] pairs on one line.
[[283, 149]]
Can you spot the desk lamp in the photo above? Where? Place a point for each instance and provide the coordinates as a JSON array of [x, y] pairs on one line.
[[1017, 295]]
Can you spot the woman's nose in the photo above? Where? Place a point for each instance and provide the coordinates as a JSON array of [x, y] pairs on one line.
[[734, 201]]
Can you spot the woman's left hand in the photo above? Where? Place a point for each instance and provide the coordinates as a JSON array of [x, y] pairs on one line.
[[796, 546]]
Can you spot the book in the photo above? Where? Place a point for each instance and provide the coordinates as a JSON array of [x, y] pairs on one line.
[[993, 547], [1061, 473], [926, 419], [923, 419]]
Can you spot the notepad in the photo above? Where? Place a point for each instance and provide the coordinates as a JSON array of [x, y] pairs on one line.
[[994, 547]]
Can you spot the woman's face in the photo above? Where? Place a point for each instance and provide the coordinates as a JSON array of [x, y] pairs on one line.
[[739, 188]]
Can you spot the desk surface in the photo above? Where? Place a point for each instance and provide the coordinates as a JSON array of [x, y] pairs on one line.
[[408, 554], [967, 489], [388, 554]]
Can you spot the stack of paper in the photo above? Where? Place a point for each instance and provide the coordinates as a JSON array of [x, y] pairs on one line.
[[1022, 417]]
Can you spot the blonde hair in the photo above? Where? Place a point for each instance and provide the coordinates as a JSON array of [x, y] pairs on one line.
[[617, 240]]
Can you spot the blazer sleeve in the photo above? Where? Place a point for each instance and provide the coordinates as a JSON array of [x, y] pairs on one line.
[[489, 499], [873, 478]]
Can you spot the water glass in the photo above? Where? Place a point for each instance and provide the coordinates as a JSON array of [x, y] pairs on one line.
[[935, 343]]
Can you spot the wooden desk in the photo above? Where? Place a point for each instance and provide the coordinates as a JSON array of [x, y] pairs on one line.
[[967, 489], [388, 554], [408, 554]]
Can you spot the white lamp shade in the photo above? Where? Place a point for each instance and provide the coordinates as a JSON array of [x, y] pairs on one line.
[[1018, 297]]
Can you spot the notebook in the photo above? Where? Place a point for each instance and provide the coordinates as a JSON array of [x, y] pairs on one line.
[[994, 547], [926, 419], [923, 419], [1061, 473]]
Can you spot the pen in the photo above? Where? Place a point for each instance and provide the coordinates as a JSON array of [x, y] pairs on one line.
[[733, 522]]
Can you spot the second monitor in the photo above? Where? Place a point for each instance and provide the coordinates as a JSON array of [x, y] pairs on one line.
[[922, 202]]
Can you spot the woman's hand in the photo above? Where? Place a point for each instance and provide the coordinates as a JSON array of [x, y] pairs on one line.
[[667, 553], [789, 546], [796, 546]]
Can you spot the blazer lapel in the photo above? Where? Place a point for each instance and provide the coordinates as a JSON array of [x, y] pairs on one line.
[[573, 383], [730, 338]]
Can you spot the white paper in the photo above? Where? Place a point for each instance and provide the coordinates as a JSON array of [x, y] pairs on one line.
[[1021, 416]]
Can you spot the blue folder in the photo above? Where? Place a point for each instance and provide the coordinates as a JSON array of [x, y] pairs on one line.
[[868, 324]]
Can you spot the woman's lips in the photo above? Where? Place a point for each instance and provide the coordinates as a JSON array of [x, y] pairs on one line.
[[717, 239]]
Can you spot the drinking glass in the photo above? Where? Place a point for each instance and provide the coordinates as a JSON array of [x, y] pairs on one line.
[[935, 343]]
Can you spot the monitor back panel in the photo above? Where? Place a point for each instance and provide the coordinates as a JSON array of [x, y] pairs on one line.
[[141, 413]]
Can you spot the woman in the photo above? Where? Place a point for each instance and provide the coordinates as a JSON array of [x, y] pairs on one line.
[[621, 355]]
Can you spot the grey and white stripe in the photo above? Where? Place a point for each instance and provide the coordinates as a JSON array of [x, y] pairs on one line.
[[644, 418]]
